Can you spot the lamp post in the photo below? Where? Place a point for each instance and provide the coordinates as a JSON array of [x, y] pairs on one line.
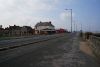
[[71, 18]]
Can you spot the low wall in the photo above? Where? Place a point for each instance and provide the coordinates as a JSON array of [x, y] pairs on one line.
[[95, 44]]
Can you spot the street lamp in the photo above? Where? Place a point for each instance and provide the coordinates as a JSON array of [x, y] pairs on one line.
[[71, 18]]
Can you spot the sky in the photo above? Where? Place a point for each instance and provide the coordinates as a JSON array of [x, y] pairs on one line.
[[29, 12]]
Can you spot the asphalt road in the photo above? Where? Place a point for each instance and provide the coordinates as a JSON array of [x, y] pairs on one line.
[[21, 41], [60, 52]]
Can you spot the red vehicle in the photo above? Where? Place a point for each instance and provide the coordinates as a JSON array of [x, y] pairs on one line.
[[61, 30]]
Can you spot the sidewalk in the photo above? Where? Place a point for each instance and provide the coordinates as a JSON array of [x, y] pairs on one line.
[[80, 55], [90, 57], [84, 47]]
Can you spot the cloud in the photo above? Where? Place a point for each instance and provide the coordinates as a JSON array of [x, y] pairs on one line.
[[13, 5], [21, 11], [66, 16], [26, 12], [65, 19]]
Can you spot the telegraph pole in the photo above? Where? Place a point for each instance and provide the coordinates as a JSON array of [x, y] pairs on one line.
[[81, 27], [71, 19]]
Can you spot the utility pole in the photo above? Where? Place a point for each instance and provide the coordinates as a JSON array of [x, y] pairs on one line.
[[71, 19], [81, 27], [74, 26]]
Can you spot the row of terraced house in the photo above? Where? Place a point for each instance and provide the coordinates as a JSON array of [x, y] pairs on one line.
[[16, 31], [39, 28]]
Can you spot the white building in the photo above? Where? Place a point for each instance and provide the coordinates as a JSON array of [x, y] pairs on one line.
[[44, 28]]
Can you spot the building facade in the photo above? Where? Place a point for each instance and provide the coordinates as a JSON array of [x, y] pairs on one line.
[[18, 31], [44, 28], [26, 30]]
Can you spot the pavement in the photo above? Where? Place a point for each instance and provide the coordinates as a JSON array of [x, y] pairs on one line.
[[61, 52]]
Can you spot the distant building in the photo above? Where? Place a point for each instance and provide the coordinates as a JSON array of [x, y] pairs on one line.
[[7, 32], [18, 31], [1, 30], [26, 30], [44, 28], [14, 30]]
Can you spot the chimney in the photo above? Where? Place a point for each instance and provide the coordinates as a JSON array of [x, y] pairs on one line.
[[14, 25], [0, 26], [50, 22], [40, 22]]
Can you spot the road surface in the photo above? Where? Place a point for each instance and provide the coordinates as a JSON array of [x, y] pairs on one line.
[[13, 43], [61, 52]]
